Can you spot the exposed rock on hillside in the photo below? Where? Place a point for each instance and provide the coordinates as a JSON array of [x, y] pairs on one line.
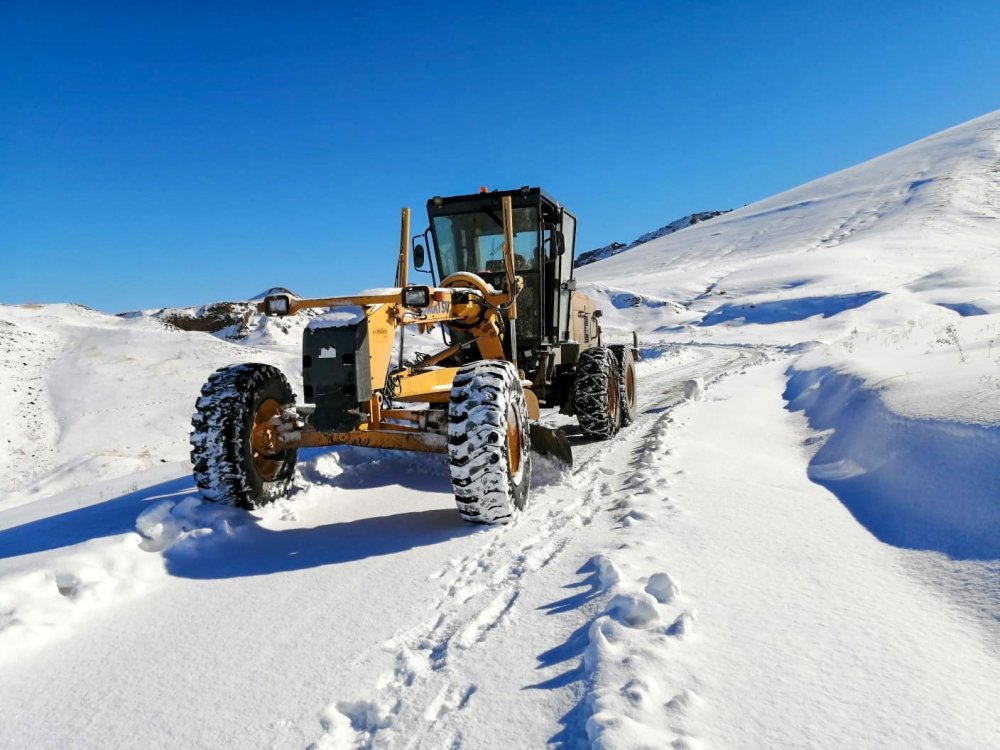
[[592, 256], [233, 321]]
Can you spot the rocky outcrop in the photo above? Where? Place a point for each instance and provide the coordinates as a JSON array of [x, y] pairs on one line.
[[228, 320], [592, 256]]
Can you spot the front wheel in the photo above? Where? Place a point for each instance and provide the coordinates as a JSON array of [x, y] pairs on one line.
[[235, 450], [489, 448]]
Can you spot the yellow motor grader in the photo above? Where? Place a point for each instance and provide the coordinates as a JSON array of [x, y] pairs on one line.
[[516, 336]]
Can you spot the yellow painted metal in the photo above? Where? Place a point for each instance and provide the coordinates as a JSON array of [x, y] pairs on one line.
[[583, 325], [515, 432], [382, 327], [488, 340], [613, 405], [394, 439], [412, 415], [264, 438], [430, 385], [404, 249], [508, 252], [487, 332], [534, 411], [440, 311], [295, 304]]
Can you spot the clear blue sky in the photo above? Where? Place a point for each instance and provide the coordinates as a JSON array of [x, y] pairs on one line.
[[156, 153]]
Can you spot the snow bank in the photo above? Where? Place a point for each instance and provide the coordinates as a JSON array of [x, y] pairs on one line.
[[919, 484]]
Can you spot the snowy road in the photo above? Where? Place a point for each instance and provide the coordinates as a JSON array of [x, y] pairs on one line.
[[466, 664], [363, 591]]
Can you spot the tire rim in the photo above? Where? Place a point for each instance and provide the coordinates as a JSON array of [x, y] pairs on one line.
[[264, 440], [515, 444], [613, 404], [630, 386]]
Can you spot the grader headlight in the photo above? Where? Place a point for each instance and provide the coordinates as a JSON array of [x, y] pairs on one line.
[[416, 296], [277, 305]]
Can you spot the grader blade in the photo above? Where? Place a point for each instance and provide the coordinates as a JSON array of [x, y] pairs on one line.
[[551, 441]]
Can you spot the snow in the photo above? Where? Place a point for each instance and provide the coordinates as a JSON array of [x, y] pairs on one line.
[[796, 543], [339, 317], [386, 291]]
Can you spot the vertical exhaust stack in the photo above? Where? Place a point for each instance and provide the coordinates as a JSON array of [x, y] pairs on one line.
[[403, 265], [508, 259]]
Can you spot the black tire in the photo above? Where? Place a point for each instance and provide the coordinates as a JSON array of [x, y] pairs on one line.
[[489, 448], [626, 382], [596, 393], [226, 467]]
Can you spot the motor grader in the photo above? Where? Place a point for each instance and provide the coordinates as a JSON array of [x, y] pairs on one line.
[[516, 336]]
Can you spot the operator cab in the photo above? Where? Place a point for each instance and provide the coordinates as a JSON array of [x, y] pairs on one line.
[[466, 233]]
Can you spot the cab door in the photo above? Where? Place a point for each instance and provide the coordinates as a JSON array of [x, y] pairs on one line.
[[564, 285]]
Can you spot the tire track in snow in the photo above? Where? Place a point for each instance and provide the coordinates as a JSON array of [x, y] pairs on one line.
[[418, 702], [635, 692]]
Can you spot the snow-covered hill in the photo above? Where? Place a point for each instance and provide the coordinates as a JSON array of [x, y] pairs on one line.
[[796, 544], [96, 397], [883, 280]]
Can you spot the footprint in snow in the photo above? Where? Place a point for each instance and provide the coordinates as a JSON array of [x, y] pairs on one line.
[[67, 585], [683, 626], [634, 610], [636, 691], [635, 516], [663, 588], [684, 701]]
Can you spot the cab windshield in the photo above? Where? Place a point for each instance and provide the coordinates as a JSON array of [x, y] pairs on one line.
[[474, 241]]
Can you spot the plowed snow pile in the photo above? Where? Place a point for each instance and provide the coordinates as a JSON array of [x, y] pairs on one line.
[[796, 544]]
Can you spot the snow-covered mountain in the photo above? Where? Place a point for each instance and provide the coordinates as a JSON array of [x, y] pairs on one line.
[[592, 256], [796, 544]]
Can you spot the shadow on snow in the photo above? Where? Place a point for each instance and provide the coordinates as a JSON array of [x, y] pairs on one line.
[[253, 550], [249, 548], [571, 652], [783, 311], [108, 518]]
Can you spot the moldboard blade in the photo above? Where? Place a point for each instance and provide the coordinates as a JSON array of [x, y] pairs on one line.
[[551, 441]]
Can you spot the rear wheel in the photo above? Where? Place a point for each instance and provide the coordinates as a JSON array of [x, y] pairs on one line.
[[596, 393], [234, 438], [489, 448], [626, 381]]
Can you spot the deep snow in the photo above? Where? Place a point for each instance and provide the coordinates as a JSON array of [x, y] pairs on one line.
[[797, 544]]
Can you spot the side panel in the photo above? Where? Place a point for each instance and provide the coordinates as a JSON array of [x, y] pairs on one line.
[[584, 329], [382, 329], [336, 374], [564, 275]]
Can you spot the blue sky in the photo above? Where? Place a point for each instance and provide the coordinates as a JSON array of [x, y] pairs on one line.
[[156, 154]]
